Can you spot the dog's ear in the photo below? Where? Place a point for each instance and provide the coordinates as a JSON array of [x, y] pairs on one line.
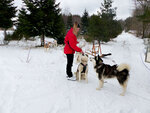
[[86, 55], [96, 58], [100, 59]]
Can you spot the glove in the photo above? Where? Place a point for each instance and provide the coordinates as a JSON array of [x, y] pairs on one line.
[[82, 52]]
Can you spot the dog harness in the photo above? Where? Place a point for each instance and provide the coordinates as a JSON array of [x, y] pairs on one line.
[[84, 67]]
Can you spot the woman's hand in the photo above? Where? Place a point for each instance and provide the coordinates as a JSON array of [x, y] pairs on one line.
[[82, 52]]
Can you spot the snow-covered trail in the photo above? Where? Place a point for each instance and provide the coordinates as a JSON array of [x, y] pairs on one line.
[[40, 86]]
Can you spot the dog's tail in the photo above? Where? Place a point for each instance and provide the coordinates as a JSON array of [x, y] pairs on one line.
[[123, 66]]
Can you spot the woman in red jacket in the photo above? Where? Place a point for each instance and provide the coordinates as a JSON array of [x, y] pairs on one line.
[[70, 48]]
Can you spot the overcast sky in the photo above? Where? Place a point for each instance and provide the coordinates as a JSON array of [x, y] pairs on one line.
[[124, 7]]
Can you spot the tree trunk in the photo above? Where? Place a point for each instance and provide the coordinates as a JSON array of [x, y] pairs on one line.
[[143, 32], [5, 41], [42, 40], [5, 34]]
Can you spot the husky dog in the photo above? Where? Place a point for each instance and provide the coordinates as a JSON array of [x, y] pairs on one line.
[[82, 70], [104, 71]]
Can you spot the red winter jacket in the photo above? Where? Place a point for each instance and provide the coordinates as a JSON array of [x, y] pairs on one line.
[[71, 43]]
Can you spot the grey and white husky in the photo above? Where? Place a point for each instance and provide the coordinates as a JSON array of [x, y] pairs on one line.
[[103, 71]]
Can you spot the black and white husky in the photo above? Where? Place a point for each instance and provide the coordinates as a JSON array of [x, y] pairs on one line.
[[104, 71]]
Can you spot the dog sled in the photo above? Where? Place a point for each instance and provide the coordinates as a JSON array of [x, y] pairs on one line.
[[96, 50]]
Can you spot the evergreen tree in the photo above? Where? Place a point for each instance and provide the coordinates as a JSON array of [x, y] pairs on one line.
[[107, 12], [145, 19], [42, 18], [112, 26], [105, 26], [24, 25], [142, 13], [84, 22], [7, 12], [95, 28], [115, 29], [69, 21]]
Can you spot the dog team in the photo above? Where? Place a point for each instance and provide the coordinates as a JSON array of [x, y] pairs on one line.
[[103, 71]]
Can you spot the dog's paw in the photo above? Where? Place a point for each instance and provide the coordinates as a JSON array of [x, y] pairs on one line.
[[122, 94], [98, 88], [86, 81]]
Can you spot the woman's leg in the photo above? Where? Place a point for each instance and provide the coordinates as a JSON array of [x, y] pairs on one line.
[[69, 64]]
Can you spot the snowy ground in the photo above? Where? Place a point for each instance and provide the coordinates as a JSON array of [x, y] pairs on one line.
[[40, 86]]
